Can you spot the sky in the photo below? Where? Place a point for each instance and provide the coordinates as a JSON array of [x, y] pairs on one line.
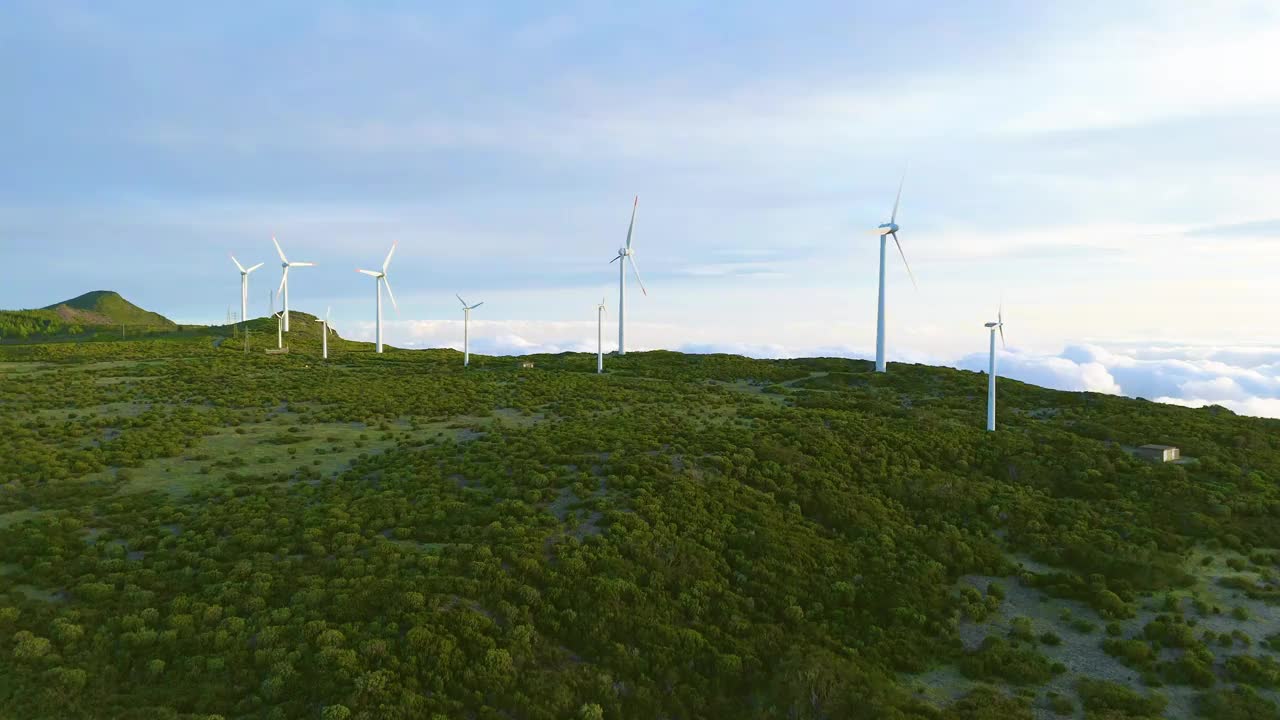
[[1108, 171]]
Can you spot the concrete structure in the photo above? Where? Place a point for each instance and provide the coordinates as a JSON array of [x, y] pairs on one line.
[[1159, 453]]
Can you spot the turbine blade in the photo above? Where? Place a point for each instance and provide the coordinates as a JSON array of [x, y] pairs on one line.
[[238, 265], [881, 231], [615, 259], [283, 259], [302, 264], [387, 283], [464, 302], [636, 270], [473, 307], [284, 277], [1000, 322], [387, 262], [327, 312], [894, 216], [255, 267], [904, 262], [370, 273], [632, 226]]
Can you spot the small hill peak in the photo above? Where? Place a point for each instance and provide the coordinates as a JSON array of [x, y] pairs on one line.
[[107, 307]]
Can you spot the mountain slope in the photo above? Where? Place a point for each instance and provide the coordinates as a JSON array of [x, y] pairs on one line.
[[106, 307], [683, 536], [94, 315]]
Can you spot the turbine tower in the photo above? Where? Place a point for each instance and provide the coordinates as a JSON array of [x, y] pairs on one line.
[[626, 254], [284, 279], [885, 230], [279, 316], [380, 279], [991, 368], [244, 287], [324, 333], [466, 323], [600, 313]]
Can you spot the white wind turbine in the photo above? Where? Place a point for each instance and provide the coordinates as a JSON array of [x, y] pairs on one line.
[[279, 316], [600, 313], [991, 368], [885, 230], [626, 254], [466, 324], [380, 279], [324, 333], [244, 287], [284, 279]]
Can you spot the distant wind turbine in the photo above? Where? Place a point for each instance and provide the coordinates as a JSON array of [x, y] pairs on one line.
[[284, 279], [324, 333], [626, 254], [279, 316], [885, 230], [380, 279], [244, 287], [991, 368], [600, 313], [466, 324]]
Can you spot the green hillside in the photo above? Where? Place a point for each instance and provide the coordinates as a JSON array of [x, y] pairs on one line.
[[190, 529], [105, 307], [97, 315]]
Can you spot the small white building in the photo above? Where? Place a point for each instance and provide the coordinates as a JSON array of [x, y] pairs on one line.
[[1159, 453]]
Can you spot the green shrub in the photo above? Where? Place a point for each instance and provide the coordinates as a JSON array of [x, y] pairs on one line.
[[1101, 697], [1238, 703], [999, 659]]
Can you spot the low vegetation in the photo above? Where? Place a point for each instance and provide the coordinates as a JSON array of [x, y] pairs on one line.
[[190, 528]]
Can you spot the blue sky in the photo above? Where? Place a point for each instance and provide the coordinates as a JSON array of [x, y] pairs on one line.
[[1108, 169]]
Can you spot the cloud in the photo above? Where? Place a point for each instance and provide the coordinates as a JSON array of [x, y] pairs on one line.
[[1269, 228], [739, 269], [1057, 372], [1245, 379]]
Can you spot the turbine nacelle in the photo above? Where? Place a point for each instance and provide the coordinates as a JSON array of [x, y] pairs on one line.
[[889, 228], [997, 324]]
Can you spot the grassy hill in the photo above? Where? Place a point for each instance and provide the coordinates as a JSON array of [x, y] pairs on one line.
[[105, 307], [94, 315], [189, 530]]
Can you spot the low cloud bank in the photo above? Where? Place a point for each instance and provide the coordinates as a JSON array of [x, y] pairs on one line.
[[1245, 379]]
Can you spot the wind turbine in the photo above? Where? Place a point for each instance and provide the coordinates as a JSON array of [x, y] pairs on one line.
[[466, 322], [991, 368], [885, 230], [244, 287], [284, 279], [600, 313], [626, 254], [279, 316], [380, 279], [324, 333]]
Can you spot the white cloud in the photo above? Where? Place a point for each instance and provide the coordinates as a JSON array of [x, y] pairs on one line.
[[1050, 371], [1244, 379], [1184, 375]]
